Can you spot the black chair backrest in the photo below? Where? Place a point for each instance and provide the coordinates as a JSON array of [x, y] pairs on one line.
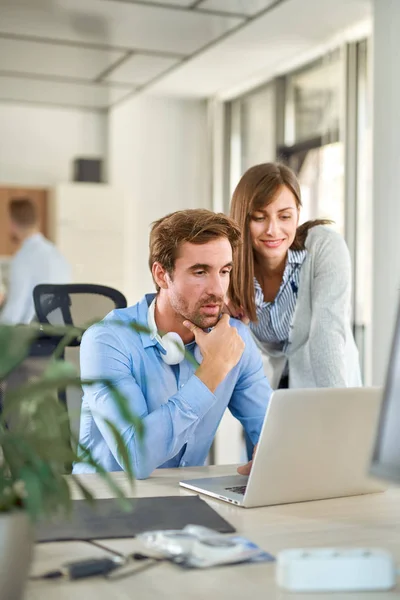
[[75, 304]]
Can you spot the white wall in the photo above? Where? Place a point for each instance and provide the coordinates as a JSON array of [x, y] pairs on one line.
[[87, 226], [38, 144], [158, 149]]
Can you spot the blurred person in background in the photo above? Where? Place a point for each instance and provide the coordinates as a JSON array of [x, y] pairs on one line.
[[36, 261], [292, 284]]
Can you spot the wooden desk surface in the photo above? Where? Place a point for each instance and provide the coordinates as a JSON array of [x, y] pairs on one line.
[[370, 520]]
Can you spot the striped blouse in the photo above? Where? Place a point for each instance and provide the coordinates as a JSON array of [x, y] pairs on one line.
[[275, 318]]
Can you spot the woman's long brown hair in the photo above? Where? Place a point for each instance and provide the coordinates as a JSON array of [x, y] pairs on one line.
[[257, 189]]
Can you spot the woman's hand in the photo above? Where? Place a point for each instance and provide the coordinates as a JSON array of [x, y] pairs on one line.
[[238, 313]]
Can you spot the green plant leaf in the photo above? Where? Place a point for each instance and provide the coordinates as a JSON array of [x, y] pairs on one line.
[[124, 410], [86, 457], [35, 441], [15, 344], [191, 359], [138, 327], [40, 387], [70, 336], [62, 496], [34, 498], [60, 370], [123, 453], [86, 493]]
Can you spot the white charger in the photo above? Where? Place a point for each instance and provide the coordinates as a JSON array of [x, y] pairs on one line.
[[335, 569]]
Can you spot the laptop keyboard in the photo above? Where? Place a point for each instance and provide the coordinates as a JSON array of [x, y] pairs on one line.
[[238, 489]]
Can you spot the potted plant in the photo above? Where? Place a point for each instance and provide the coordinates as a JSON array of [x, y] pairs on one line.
[[35, 447]]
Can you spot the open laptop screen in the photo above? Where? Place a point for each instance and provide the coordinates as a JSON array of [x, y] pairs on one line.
[[386, 456]]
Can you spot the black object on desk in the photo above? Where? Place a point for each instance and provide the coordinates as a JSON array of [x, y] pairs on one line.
[[107, 520]]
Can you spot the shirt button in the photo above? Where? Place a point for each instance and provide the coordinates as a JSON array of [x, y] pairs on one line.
[[182, 384]]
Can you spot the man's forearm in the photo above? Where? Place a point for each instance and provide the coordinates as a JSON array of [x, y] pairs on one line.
[[166, 429]]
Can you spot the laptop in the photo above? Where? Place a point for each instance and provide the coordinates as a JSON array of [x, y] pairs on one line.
[[314, 444]]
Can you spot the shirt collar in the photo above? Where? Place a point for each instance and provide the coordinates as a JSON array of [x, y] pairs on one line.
[[145, 336], [296, 257], [143, 309], [32, 239]]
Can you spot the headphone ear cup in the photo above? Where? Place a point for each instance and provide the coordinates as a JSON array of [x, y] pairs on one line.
[[198, 355], [174, 348]]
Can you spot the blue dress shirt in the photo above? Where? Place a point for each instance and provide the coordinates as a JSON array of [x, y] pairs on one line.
[[180, 414]]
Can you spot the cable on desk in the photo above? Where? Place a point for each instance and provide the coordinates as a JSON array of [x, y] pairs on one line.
[[134, 555], [103, 547], [122, 574], [80, 569], [56, 574], [100, 566]]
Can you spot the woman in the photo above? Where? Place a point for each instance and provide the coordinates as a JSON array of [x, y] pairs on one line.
[[293, 284]]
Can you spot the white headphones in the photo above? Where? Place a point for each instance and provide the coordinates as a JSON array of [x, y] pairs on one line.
[[172, 346]]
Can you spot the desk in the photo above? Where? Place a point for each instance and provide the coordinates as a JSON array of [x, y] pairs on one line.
[[370, 520]]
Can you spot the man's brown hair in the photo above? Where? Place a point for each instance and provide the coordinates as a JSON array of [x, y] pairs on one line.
[[197, 226], [22, 211]]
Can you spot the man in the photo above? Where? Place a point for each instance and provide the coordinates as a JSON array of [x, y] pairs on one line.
[[180, 404], [36, 261]]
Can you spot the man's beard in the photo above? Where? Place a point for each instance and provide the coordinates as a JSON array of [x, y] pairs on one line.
[[196, 316]]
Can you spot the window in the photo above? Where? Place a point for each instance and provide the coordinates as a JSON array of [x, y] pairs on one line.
[[252, 139], [312, 134], [362, 260], [317, 120]]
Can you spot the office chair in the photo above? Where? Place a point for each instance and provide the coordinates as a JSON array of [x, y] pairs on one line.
[[76, 304]]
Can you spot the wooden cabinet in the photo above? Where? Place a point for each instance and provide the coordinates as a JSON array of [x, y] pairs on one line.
[[37, 195]]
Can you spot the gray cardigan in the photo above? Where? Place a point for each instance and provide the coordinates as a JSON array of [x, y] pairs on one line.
[[321, 350]]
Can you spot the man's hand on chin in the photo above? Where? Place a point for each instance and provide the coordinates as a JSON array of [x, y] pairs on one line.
[[245, 469]]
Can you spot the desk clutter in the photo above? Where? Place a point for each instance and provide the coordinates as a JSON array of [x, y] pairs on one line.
[[191, 547], [184, 530], [107, 520]]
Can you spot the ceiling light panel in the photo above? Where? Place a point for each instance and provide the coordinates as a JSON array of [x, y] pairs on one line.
[[39, 58], [241, 7], [178, 3], [139, 69], [116, 24], [60, 93]]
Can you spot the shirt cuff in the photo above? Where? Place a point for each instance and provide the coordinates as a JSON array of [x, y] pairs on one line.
[[197, 396]]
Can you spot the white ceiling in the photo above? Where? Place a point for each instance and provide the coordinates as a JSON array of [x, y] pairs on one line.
[[94, 53], [139, 68], [20, 56], [244, 7], [266, 44]]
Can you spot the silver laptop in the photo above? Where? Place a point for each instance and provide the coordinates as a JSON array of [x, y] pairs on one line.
[[314, 444]]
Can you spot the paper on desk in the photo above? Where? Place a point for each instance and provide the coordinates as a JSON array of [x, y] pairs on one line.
[[201, 547]]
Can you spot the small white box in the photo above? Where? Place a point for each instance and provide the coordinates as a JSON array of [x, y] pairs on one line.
[[335, 569]]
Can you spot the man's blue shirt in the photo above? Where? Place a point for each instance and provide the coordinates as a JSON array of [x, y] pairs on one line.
[[179, 413]]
